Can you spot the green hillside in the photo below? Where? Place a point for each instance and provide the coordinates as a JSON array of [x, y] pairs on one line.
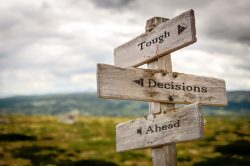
[[89, 104], [85, 103], [44, 141]]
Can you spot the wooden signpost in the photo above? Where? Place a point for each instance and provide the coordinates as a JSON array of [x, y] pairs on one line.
[[178, 125], [165, 125], [159, 86], [163, 39]]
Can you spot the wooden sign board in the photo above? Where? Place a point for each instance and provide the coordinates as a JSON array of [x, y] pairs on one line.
[[174, 126], [159, 86], [163, 39]]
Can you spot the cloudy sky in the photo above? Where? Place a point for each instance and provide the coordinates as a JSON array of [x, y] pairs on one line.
[[53, 46]]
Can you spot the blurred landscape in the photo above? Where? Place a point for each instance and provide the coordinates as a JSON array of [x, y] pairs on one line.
[[90, 104], [51, 47], [43, 140], [79, 129]]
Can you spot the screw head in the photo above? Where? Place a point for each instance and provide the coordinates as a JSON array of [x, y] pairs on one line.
[[171, 98], [175, 75]]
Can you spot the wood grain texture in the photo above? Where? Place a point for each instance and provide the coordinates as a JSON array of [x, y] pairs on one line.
[[164, 64], [173, 126], [119, 83], [147, 47], [163, 155]]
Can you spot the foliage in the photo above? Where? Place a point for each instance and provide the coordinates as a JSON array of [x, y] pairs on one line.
[[43, 140]]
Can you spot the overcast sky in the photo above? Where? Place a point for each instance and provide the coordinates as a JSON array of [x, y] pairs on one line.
[[53, 46]]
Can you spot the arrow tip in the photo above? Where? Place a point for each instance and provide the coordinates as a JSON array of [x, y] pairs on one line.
[[139, 82], [139, 131], [181, 29]]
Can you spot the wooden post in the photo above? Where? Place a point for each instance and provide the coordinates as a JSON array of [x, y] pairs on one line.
[[164, 155], [122, 82]]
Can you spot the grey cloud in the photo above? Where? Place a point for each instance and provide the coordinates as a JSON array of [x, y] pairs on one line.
[[112, 4], [216, 46], [19, 14], [63, 39], [215, 20], [67, 73], [227, 21], [183, 4], [22, 25], [244, 66]]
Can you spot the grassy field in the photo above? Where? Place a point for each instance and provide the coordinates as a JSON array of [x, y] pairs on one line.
[[43, 140]]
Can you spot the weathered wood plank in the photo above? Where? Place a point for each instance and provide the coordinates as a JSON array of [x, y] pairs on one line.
[[163, 63], [174, 126], [163, 155], [163, 39], [158, 86]]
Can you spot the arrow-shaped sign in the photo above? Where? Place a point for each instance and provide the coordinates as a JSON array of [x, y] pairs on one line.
[[157, 86], [163, 39], [179, 125]]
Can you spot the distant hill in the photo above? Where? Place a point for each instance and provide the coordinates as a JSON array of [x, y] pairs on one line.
[[238, 104], [89, 104], [86, 103]]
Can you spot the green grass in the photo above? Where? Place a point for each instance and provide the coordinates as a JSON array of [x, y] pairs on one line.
[[43, 140]]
